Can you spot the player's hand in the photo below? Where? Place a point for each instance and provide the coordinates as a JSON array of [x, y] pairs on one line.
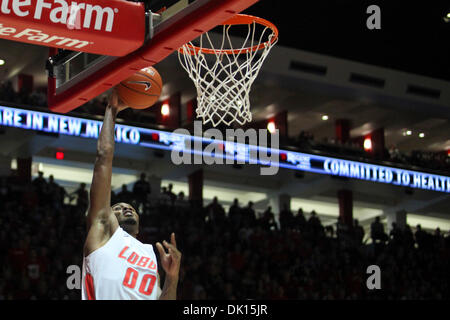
[[115, 102], [170, 261]]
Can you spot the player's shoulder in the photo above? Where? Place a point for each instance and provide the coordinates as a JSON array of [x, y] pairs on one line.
[[139, 242], [149, 247]]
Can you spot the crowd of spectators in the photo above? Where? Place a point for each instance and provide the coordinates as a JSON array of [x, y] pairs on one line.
[[423, 159], [238, 253], [36, 98], [305, 140]]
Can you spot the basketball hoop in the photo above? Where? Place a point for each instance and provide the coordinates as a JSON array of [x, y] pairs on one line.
[[224, 75]]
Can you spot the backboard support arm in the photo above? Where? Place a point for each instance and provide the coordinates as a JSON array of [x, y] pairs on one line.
[[168, 35]]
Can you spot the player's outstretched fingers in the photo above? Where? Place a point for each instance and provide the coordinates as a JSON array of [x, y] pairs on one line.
[[115, 101], [161, 250], [172, 239], [170, 247]]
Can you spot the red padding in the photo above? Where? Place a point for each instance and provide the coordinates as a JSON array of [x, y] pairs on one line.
[[186, 29], [104, 27]]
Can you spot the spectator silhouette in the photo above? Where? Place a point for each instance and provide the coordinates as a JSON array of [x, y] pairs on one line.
[[141, 191], [164, 197], [396, 234], [181, 201], [286, 218], [268, 220], [300, 220], [82, 197], [421, 237], [54, 193], [40, 186], [215, 212], [234, 215], [314, 225], [248, 216], [171, 194], [125, 195], [377, 231], [341, 229], [358, 232], [408, 237]]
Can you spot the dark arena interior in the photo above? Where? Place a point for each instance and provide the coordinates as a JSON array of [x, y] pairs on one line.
[[361, 192]]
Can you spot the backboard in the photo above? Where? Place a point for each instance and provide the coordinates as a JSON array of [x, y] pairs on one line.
[[77, 77]]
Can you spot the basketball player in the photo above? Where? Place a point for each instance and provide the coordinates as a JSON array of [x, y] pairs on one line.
[[117, 266]]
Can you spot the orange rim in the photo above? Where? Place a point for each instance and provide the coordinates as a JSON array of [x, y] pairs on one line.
[[239, 19]]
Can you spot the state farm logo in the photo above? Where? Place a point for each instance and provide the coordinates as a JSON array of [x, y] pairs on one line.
[[42, 38], [72, 14]]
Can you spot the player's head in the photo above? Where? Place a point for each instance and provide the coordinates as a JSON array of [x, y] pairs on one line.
[[127, 217]]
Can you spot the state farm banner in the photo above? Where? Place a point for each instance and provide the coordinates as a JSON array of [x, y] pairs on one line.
[[104, 27]]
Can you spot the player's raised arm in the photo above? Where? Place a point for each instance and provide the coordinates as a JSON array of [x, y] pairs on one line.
[[101, 222]]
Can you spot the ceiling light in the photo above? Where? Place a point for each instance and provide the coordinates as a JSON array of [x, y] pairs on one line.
[[408, 132], [14, 163], [165, 110], [271, 127], [447, 17], [368, 144], [2, 62], [324, 117], [421, 135]]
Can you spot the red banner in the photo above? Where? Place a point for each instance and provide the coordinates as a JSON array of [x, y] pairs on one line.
[[104, 27]]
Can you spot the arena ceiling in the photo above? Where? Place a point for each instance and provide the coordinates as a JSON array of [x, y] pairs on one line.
[[413, 35]]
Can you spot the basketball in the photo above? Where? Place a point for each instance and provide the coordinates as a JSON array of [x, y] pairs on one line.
[[142, 89]]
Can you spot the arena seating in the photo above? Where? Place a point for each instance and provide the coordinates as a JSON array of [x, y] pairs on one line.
[[304, 142], [239, 254]]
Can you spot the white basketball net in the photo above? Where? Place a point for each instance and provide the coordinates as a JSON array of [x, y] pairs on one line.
[[223, 82]]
